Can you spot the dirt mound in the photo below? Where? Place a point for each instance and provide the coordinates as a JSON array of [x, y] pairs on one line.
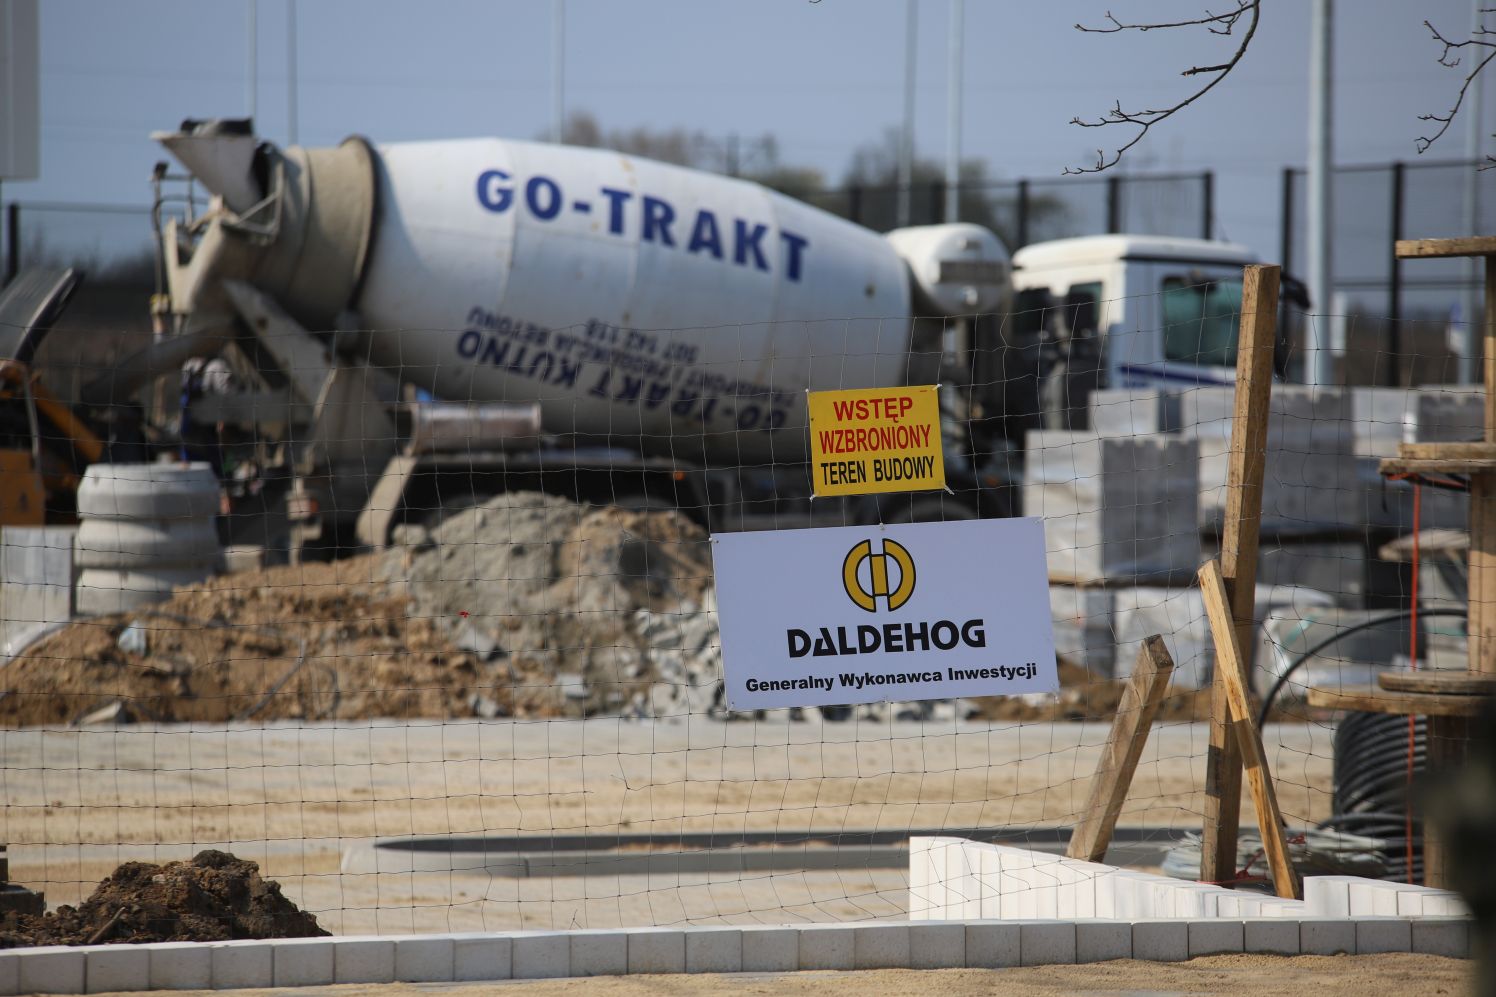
[[214, 897], [315, 641], [529, 606]]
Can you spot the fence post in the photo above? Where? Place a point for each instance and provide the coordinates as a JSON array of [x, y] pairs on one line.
[[937, 201], [1113, 204], [1207, 219], [1023, 214], [1240, 531], [854, 203], [1394, 290], [12, 240]]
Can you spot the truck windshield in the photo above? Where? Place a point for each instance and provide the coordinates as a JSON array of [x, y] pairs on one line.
[[1200, 319]]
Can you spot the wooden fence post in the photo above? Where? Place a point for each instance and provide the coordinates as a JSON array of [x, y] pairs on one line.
[[1240, 531]]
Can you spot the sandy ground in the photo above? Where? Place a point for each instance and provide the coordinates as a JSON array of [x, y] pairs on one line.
[[1236, 975], [295, 798]]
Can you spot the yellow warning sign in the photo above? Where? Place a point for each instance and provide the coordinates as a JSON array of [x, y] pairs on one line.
[[876, 440]]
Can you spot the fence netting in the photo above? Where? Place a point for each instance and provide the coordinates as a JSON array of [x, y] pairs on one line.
[[496, 701]]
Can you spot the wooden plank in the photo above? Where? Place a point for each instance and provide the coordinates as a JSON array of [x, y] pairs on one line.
[[1443, 683], [1445, 465], [1481, 571], [1248, 738], [1416, 248], [1135, 713], [1448, 741], [1447, 451], [1242, 527], [1370, 699]]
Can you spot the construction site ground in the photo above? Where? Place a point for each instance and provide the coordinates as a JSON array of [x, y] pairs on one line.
[[296, 797], [1234, 975]]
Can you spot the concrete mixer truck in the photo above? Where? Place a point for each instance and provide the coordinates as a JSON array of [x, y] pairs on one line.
[[427, 323], [416, 326]]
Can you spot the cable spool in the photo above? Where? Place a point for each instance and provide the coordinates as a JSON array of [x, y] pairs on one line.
[[1371, 786], [144, 530]]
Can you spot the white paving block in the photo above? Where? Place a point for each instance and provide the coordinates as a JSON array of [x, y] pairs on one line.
[[1444, 904], [424, 960], [10, 973], [964, 899], [181, 966], [52, 969], [1327, 936], [1409, 903], [827, 946], [1102, 941], [540, 955], [771, 950], [657, 950], [1105, 885], [926, 880], [1364, 897], [1449, 936], [881, 946], [303, 962], [1328, 896], [937, 946], [484, 956], [1383, 934], [719, 950], [599, 953], [363, 960], [117, 967], [242, 965], [1046, 943], [992, 944], [1270, 936], [1161, 940], [1215, 937], [989, 879]]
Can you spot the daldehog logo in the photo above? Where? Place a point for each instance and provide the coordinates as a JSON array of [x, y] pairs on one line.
[[879, 577]]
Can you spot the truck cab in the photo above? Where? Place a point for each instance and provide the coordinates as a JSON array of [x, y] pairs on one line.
[[1126, 311]]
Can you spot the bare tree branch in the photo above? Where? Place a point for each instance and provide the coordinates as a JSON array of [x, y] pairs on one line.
[[1449, 57], [1144, 119]]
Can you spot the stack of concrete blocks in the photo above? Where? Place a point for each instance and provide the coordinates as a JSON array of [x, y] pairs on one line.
[[1388, 417], [1309, 484], [1084, 633], [36, 583], [1118, 510], [1178, 614]]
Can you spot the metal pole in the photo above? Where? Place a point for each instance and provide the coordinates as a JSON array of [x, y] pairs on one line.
[[291, 122], [906, 145], [12, 240], [1113, 204], [252, 60], [1285, 243], [1208, 195], [1023, 214], [1321, 280], [558, 70], [1394, 293], [953, 121], [1470, 338]]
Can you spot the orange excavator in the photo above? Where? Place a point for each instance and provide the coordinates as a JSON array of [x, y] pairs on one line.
[[44, 446]]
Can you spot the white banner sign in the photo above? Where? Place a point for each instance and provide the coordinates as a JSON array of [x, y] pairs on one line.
[[866, 614]]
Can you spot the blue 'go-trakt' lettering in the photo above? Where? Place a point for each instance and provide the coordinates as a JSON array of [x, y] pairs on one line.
[[657, 218]]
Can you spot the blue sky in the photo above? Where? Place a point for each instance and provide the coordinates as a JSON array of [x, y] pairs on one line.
[[822, 77]]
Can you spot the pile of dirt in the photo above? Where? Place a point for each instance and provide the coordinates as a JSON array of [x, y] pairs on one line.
[[528, 606], [214, 897], [309, 642]]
